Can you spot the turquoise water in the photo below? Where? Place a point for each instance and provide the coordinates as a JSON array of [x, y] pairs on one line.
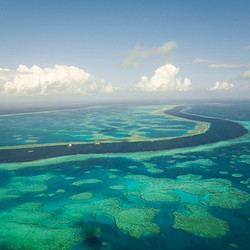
[[124, 123], [185, 198]]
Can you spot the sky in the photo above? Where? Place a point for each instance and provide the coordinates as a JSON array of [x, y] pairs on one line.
[[133, 48]]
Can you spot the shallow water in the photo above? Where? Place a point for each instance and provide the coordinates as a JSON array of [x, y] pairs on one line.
[[94, 124], [185, 198]]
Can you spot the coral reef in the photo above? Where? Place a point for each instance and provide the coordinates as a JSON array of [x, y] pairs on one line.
[[26, 227], [198, 162], [237, 175], [137, 221], [87, 181], [153, 189], [155, 170], [211, 192], [199, 221], [82, 196], [118, 187]]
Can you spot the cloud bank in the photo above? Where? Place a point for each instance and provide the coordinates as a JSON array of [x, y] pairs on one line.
[[221, 86], [135, 57], [63, 80], [164, 79], [58, 80]]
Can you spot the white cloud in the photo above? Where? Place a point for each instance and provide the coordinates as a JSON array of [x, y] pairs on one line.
[[135, 57], [217, 64], [225, 65], [164, 79], [58, 80], [3, 75], [100, 87], [245, 75], [201, 60], [221, 86]]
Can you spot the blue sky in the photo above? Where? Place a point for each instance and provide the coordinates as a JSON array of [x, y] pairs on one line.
[[207, 41]]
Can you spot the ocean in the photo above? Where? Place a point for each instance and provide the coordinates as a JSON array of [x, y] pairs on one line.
[[126, 177]]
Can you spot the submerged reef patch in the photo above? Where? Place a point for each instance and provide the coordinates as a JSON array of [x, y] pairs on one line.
[[61, 190], [5, 193], [118, 187], [223, 172], [199, 162], [246, 182], [87, 181], [26, 227], [137, 221], [160, 196], [112, 176], [237, 175], [153, 189], [199, 221], [245, 159], [133, 167], [230, 198], [19, 185], [30, 236], [32, 188], [82, 196], [211, 192], [114, 170], [155, 170]]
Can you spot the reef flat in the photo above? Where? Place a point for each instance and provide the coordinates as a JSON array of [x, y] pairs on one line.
[[96, 125]]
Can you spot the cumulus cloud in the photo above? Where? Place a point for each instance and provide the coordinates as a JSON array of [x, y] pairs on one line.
[[135, 57], [221, 86], [58, 80], [164, 79], [245, 75], [4, 74]]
